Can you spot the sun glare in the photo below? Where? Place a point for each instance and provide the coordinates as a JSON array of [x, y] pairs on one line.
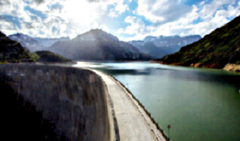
[[80, 11]]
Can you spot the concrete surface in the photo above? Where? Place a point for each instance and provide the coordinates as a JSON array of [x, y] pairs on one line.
[[44, 102], [41, 102], [134, 124]]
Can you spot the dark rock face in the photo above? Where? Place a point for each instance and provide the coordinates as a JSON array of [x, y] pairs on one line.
[[53, 103], [2, 34]]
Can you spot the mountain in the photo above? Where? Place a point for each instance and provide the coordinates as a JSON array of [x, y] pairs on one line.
[[215, 50], [97, 45], [12, 51], [47, 42], [26, 41], [35, 43], [165, 44], [49, 57], [166, 41], [150, 48]]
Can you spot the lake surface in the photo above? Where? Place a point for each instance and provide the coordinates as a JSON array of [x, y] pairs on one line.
[[199, 104]]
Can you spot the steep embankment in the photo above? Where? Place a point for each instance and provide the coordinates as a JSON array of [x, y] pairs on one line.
[[215, 50], [54, 103]]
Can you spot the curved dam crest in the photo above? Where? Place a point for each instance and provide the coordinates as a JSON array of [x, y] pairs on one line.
[[44, 102]]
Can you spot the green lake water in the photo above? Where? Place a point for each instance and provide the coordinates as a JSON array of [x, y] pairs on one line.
[[199, 104]]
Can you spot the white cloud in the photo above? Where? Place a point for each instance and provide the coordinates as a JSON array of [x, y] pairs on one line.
[[118, 9], [162, 11], [71, 17], [207, 18], [137, 27], [112, 13], [121, 7], [212, 19]]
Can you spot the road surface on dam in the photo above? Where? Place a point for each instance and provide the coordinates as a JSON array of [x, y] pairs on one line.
[[133, 122]]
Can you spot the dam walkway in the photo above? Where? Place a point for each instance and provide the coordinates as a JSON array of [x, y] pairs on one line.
[[133, 122]]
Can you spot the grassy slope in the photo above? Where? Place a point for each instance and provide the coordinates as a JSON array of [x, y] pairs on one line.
[[215, 50], [47, 56]]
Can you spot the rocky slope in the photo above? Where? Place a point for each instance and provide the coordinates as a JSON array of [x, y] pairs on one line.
[[215, 50], [13, 52], [98, 45]]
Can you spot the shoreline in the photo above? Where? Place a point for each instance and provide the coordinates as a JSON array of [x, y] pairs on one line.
[[227, 67]]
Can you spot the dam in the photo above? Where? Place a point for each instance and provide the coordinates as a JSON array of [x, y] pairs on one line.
[[43, 102]]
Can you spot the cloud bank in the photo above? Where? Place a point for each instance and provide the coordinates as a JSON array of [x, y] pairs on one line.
[[127, 19]]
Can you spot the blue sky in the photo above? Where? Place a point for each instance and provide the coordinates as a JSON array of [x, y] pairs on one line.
[[126, 19]]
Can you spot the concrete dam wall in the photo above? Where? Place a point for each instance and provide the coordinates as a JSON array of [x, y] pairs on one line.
[[41, 102]]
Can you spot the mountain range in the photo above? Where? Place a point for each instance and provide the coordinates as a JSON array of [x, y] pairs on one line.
[[35, 44], [215, 50], [149, 47], [47, 42], [163, 45], [97, 44]]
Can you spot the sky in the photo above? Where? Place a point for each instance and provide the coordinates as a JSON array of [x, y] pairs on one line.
[[126, 19]]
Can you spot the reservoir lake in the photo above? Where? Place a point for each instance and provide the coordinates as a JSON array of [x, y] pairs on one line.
[[199, 104]]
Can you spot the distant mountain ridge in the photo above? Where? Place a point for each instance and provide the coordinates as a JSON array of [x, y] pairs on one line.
[[96, 34], [26, 41], [215, 50], [164, 44], [47, 42], [172, 40], [35, 43], [97, 44]]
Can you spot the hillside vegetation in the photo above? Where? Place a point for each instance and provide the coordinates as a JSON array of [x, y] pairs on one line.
[[215, 50], [47, 56], [13, 52]]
